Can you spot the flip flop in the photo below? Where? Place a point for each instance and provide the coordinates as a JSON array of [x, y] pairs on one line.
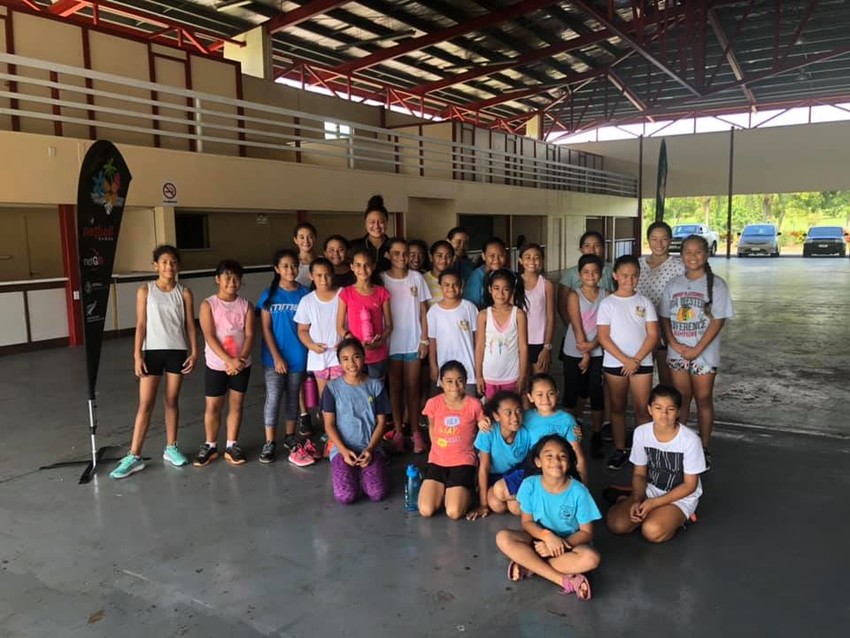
[[515, 569], [572, 584]]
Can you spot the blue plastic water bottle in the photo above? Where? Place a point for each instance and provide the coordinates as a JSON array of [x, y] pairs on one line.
[[411, 489]]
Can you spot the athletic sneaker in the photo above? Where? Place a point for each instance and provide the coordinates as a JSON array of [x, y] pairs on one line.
[[607, 433], [596, 445], [290, 442], [395, 442], [300, 458], [617, 459], [268, 454], [305, 425], [173, 455], [707, 454], [310, 449], [130, 464], [206, 455], [234, 455]]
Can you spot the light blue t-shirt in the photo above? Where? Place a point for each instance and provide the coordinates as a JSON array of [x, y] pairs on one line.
[[562, 513], [282, 309], [356, 408], [473, 289], [504, 456], [558, 423]]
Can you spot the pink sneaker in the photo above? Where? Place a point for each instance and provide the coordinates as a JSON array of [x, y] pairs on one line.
[[311, 450], [418, 442], [300, 458], [395, 442]]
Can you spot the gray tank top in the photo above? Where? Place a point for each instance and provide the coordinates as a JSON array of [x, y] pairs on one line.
[[587, 309], [166, 319]]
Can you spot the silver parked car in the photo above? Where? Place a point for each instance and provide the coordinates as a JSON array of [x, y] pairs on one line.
[[759, 239]]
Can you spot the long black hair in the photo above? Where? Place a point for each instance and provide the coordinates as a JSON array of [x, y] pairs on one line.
[[572, 460], [625, 260], [280, 254], [513, 280], [709, 273]]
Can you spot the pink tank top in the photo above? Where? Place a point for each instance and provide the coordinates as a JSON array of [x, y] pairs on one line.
[[229, 320], [536, 304]]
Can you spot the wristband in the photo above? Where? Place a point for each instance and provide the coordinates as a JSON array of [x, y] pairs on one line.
[[424, 343]]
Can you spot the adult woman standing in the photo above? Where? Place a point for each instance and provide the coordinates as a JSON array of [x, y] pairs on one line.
[[375, 240], [656, 270]]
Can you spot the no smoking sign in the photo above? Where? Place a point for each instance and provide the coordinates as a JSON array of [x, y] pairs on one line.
[[169, 193]]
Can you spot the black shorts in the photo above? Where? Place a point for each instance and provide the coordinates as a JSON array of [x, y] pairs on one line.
[[159, 361], [456, 476], [618, 372], [585, 385], [218, 382], [534, 350]]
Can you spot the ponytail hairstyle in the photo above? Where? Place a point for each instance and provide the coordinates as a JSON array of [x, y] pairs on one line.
[[524, 249], [307, 226], [493, 405], [709, 273], [376, 204], [441, 243], [421, 245], [662, 225], [493, 241], [278, 256], [513, 280], [375, 279], [454, 366], [591, 233], [584, 260], [625, 260]]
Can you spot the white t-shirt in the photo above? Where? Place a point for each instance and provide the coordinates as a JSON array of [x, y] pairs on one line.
[[683, 301], [627, 317], [321, 315], [667, 463], [652, 281], [303, 276], [405, 296], [454, 331]]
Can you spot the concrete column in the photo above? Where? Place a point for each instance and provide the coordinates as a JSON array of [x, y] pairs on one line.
[[256, 56], [534, 127], [165, 230], [429, 218]]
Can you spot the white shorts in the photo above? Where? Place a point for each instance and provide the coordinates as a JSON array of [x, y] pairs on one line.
[[688, 505]]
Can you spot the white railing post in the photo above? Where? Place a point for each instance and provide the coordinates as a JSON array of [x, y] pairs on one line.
[[199, 125]]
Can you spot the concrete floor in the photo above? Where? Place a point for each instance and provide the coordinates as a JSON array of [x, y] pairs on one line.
[[264, 550]]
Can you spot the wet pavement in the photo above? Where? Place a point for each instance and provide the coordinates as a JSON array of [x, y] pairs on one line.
[[265, 551]]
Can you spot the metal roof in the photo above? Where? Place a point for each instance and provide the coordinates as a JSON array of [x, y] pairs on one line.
[[580, 64]]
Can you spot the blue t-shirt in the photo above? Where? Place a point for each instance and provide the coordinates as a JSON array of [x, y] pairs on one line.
[[539, 426], [282, 309], [357, 408], [504, 456], [473, 289], [562, 513]]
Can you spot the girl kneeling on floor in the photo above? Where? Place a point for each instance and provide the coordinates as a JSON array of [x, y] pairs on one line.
[[668, 460], [557, 522], [452, 423], [355, 408]]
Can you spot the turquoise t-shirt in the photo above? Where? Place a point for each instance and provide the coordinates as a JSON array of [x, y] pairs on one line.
[[562, 513], [504, 456], [558, 423], [473, 289]]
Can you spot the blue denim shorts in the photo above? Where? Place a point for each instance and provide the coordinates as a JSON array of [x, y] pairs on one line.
[[405, 356]]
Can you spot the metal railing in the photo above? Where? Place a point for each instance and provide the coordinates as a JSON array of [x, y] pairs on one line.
[[141, 113]]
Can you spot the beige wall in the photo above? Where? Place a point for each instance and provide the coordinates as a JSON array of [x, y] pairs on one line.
[[30, 246], [808, 157]]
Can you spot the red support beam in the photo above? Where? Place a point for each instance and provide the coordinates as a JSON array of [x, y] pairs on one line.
[[520, 8], [621, 32], [630, 95], [302, 14], [65, 8]]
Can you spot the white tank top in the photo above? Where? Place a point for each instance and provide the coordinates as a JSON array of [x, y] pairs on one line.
[[165, 318], [587, 310], [501, 350], [536, 300]]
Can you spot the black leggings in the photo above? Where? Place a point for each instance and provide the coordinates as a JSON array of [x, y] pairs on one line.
[[586, 385]]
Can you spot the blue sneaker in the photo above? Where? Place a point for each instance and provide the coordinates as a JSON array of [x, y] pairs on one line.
[[173, 455], [130, 464]]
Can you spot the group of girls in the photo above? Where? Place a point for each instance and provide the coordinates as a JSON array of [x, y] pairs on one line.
[[370, 319]]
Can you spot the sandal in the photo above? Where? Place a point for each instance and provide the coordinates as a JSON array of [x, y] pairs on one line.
[[517, 572], [573, 584]]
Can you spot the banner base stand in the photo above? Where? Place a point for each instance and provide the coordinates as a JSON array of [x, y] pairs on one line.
[[88, 472]]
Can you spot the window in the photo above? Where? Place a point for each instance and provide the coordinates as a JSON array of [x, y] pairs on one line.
[[336, 131], [192, 231]]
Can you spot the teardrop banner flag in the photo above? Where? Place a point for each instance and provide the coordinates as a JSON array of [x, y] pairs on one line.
[[661, 184], [101, 193]]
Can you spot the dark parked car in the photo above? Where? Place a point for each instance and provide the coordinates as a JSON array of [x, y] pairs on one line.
[[825, 240], [759, 239]]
